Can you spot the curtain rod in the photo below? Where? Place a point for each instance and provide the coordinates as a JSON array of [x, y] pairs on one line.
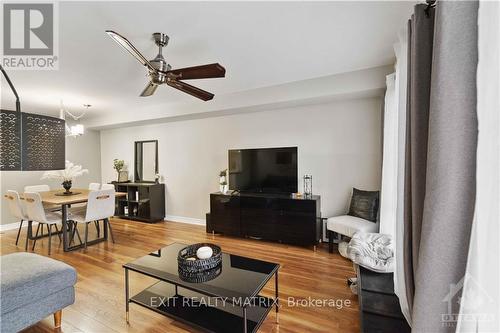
[[430, 4]]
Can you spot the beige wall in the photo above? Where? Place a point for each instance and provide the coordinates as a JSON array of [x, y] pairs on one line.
[[84, 150], [338, 143]]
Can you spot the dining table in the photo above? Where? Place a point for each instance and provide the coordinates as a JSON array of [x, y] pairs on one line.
[[55, 199]]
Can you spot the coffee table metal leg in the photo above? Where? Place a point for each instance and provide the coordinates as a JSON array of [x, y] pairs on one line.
[[245, 319], [277, 298], [126, 295]]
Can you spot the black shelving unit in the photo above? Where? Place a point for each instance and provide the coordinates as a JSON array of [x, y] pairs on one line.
[[145, 202]]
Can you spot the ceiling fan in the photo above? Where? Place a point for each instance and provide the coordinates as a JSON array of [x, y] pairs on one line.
[[160, 72]]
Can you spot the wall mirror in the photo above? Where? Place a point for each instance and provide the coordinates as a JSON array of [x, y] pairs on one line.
[[146, 161]]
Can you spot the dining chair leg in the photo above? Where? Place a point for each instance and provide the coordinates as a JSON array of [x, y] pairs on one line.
[[78, 234], [27, 237], [110, 230], [98, 228], [49, 226], [36, 236], [74, 231], [86, 234], [19, 232], [58, 233]]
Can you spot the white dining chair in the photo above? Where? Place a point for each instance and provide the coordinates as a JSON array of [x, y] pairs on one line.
[[17, 210], [38, 189], [94, 187], [100, 206], [107, 187], [36, 213]]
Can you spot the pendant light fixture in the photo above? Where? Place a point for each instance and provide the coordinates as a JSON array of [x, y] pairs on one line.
[[28, 141], [74, 130]]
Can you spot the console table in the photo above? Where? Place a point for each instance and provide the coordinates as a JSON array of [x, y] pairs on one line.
[[277, 217], [145, 202]]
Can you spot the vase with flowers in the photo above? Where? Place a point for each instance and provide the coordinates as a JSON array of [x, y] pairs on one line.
[[67, 175], [118, 166]]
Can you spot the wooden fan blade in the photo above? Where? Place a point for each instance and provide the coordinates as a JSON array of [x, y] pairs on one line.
[[199, 72], [123, 42], [191, 90], [149, 90]]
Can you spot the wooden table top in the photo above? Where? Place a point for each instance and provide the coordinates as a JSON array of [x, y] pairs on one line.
[[51, 198]]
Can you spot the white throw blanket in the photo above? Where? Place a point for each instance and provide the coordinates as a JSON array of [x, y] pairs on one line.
[[373, 251]]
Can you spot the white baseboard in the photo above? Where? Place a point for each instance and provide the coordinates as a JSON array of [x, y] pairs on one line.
[[12, 226], [173, 218], [183, 219]]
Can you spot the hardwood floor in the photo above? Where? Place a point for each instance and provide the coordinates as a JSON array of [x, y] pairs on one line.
[[100, 304]]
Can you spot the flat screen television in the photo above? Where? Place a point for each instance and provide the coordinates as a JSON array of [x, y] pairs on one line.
[[266, 170]]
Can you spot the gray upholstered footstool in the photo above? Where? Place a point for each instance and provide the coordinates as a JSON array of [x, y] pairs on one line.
[[33, 287]]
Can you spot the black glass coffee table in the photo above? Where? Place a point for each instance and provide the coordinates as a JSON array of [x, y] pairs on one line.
[[230, 302]]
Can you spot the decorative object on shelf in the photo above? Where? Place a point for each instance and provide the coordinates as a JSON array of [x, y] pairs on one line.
[[223, 187], [30, 142], [204, 252], [308, 183], [118, 166], [189, 266], [123, 176], [157, 178], [67, 175], [77, 129]]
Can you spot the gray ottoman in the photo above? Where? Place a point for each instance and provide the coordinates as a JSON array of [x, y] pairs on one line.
[[33, 287]]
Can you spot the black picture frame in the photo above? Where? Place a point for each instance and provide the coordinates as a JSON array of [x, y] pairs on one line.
[[138, 158]]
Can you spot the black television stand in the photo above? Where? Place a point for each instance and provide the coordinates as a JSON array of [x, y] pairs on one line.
[[267, 216]]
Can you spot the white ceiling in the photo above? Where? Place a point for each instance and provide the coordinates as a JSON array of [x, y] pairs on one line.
[[260, 44]]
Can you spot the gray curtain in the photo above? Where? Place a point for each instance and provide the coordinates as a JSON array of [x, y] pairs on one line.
[[420, 41], [441, 158]]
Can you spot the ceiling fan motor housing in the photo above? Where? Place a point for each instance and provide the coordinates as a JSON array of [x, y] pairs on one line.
[[161, 39]]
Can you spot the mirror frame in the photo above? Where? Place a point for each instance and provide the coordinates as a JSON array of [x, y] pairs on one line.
[[137, 177]]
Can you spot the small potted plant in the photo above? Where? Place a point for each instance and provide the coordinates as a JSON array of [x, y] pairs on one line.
[[118, 166], [67, 175], [223, 181]]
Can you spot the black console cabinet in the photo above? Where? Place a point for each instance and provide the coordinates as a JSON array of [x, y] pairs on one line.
[[267, 216]]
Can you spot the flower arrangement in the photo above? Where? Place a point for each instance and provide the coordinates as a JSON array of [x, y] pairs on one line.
[[118, 166], [67, 175]]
